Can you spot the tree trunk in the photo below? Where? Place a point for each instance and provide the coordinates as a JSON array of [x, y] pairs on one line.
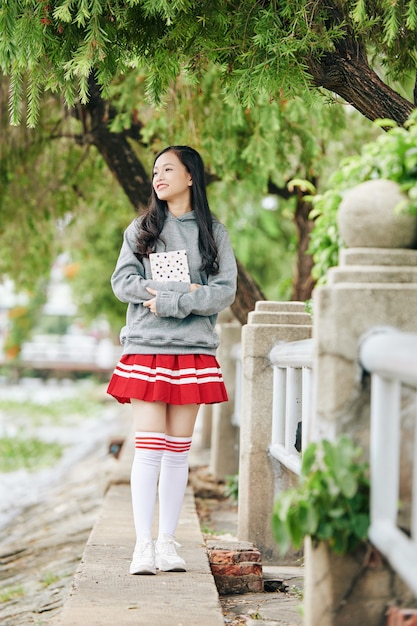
[[248, 293], [114, 147], [131, 175], [123, 163], [303, 282]]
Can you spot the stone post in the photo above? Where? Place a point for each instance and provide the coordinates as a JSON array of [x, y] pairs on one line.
[[206, 426], [224, 457], [375, 284], [270, 323]]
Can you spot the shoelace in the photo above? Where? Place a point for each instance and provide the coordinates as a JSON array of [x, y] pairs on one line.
[[145, 549], [168, 547]]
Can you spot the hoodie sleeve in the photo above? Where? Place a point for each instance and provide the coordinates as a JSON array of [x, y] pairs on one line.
[[129, 280], [218, 294]]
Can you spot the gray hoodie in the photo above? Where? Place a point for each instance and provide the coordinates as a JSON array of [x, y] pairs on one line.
[[185, 320]]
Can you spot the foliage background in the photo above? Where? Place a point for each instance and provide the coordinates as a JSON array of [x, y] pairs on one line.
[[232, 80], [58, 194]]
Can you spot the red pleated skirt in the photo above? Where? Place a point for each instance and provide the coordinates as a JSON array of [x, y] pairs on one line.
[[174, 379]]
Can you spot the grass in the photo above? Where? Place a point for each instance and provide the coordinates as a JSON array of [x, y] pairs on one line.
[[56, 411], [11, 593], [232, 487], [297, 591], [29, 453], [49, 578]]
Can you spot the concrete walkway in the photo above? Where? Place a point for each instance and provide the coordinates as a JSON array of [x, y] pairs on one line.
[[104, 593]]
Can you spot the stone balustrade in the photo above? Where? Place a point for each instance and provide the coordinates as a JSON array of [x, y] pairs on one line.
[[260, 476], [374, 285]]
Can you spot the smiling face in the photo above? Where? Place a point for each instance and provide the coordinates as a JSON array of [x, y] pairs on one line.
[[171, 180]]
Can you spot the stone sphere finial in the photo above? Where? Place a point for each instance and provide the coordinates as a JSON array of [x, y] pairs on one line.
[[367, 217]]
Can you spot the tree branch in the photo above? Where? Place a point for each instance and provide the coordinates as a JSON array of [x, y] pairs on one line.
[[346, 71], [353, 80]]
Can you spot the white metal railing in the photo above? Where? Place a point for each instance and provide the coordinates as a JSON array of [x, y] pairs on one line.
[[390, 356], [291, 401]]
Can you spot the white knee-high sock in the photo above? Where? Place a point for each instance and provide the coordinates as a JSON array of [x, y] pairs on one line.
[[149, 448], [172, 483]]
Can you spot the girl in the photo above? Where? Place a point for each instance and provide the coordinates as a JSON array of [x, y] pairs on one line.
[[168, 367]]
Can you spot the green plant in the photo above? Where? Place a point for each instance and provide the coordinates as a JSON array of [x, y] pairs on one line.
[[297, 591], [331, 502], [49, 578], [392, 156], [25, 416], [11, 593], [30, 453], [83, 405], [232, 487]]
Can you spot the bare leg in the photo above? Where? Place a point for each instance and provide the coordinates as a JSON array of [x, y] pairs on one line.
[[149, 416]]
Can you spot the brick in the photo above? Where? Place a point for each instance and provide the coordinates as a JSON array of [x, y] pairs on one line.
[[236, 567], [235, 546], [240, 569], [238, 585], [226, 556]]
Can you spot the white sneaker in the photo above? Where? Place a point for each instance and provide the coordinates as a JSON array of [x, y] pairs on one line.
[[166, 557], [143, 560]]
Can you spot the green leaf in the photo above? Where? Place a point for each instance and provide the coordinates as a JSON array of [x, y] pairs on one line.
[[284, 502], [359, 11], [324, 531], [336, 512], [348, 484], [339, 543], [308, 518], [308, 459], [295, 528], [304, 185], [331, 502], [281, 534], [360, 525], [385, 123]]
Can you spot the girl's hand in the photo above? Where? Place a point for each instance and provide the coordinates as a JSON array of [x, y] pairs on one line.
[[151, 304], [194, 286]]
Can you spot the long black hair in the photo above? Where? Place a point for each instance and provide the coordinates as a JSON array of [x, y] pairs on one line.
[[152, 222]]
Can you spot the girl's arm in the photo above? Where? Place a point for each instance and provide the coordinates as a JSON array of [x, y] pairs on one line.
[[209, 299], [129, 281]]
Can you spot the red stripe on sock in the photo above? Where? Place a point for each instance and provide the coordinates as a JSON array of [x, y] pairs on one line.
[[150, 443], [178, 446]]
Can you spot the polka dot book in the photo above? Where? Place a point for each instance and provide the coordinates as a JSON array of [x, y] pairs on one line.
[[170, 266]]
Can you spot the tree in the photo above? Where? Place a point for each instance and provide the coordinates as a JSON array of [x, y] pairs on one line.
[[278, 49], [261, 50], [237, 142], [237, 146]]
